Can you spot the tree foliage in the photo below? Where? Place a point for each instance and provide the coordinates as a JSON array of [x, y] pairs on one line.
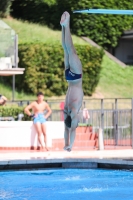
[[5, 7], [38, 11], [102, 28]]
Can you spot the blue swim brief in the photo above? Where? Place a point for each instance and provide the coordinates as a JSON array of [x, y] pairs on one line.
[[39, 118], [71, 76]]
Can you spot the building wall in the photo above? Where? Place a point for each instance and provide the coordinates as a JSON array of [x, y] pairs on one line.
[[124, 51]]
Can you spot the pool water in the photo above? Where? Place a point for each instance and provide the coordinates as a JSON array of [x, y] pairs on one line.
[[65, 184]]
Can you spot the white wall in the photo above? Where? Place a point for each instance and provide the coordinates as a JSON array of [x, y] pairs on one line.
[[23, 134]]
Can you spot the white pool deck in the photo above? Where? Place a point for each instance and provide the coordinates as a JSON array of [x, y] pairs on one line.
[[22, 134], [124, 156]]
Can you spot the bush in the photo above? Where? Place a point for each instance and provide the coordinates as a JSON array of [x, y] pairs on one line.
[[5, 7], [13, 112], [44, 68]]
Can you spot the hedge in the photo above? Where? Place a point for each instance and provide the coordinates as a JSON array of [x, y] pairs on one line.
[[13, 112], [44, 68], [5, 7], [103, 29]]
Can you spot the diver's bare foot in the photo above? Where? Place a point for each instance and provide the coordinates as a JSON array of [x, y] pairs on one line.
[[65, 19], [67, 148]]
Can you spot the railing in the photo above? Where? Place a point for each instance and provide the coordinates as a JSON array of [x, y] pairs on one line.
[[107, 103], [116, 124]]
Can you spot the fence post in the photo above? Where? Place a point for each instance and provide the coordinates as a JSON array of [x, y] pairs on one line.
[[102, 115], [84, 104], [101, 129], [116, 121], [15, 65], [50, 117], [132, 123]]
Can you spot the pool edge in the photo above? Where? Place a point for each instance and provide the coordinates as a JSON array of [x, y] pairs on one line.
[[67, 163]]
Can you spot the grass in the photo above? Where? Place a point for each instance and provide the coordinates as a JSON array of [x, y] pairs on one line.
[[7, 91], [29, 32], [115, 81]]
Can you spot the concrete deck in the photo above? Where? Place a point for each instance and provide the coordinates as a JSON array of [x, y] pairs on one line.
[[115, 158]]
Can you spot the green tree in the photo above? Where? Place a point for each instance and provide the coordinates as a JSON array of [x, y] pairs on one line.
[[37, 11], [102, 28], [5, 7]]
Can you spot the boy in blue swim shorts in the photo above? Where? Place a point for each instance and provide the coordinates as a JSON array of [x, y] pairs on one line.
[[39, 119]]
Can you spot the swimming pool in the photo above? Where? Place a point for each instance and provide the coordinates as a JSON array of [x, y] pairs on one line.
[[65, 184]]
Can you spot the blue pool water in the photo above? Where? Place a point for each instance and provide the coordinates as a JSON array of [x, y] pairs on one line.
[[61, 184]]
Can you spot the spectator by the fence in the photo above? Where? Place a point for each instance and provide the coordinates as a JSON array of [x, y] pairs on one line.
[[3, 100], [86, 115]]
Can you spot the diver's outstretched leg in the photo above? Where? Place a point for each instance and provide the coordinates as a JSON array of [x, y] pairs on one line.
[[75, 120], [73, 60], [65, 23], [66, 55]]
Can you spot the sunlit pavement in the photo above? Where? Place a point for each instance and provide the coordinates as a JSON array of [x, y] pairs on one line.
[[17, 157]]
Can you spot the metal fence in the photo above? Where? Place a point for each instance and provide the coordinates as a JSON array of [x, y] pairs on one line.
[[107, 103], [116, 126], [115, 121]]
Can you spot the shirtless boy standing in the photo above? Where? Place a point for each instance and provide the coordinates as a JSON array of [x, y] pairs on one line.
[[39, 119]]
